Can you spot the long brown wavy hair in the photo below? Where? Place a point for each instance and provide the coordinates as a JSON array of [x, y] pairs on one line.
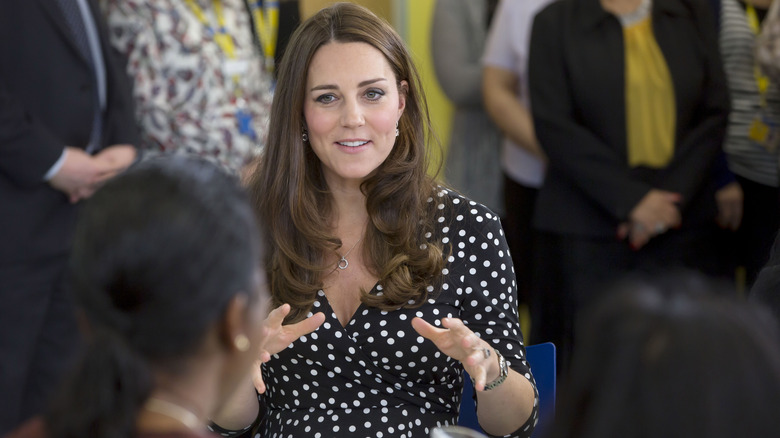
[[293, 199]]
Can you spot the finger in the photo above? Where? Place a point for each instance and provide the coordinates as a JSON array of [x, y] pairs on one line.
[[479, 374], [306, 326], [105, 176], [277, 315], [477, 354], [722, 220], [737, 219], [638, 239], [622, 231], [457, 327], [425, 329], [674, 198], [257, 377]]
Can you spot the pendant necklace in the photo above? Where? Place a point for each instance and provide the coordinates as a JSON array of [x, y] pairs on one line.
[[343, 262]]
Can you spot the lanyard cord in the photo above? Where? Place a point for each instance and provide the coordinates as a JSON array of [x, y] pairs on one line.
[[265, 15], [221, 35]]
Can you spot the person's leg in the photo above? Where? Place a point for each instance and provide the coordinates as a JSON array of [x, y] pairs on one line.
[[24, 298], [27, 313], [57, 348], [548, 305], [519, 202], [760, 222], [574, 270]]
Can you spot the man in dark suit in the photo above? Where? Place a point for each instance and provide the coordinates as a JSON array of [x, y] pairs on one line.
[[66, 125]]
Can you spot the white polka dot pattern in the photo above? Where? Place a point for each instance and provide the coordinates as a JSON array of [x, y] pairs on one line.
[[377, 376]]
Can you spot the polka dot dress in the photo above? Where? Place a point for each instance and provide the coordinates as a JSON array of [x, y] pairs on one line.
[[377, 377]]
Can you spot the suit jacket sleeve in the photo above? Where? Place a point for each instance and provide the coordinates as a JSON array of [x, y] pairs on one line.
[[121, 118], [573, 149], [27, 148], [696, 153]]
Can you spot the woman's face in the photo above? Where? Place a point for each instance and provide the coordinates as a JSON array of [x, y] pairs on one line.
[[351, 108]]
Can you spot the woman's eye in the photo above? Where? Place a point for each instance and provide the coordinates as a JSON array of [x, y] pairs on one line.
[[326, 98], [374, 94]]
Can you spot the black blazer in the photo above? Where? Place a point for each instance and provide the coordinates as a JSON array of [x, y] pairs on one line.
[[577, 88], [46, 103]]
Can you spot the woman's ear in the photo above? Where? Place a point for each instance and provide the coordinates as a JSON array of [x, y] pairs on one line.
[[403, 91], [233, 330]]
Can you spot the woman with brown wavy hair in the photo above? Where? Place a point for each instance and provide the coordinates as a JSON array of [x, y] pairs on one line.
[[415, 281]]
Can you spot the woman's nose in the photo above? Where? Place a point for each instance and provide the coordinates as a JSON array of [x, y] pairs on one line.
[[352, 115]]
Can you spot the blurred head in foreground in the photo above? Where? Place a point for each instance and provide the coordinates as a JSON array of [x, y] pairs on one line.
[[166, 270], [676, 357]]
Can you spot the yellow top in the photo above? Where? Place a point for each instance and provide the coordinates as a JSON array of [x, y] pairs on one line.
[[650, 106]]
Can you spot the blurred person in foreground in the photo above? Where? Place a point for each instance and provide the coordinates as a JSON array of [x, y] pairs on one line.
[[676, 356], [167, 275]]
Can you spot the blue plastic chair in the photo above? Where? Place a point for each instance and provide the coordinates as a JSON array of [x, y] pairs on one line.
[[541, 357]]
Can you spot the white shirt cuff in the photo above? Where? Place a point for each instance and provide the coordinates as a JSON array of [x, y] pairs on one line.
[[56, 166]]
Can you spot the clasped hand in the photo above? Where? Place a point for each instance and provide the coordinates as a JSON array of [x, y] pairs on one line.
[[655, 214], [81, 174]]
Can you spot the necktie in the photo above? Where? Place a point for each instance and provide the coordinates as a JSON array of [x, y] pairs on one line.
[[72, 13]]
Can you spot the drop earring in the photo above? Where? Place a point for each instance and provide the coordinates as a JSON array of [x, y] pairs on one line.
[[305, 136], [397, 132]]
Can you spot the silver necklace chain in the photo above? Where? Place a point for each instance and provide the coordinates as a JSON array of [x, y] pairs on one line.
[[343, 262]]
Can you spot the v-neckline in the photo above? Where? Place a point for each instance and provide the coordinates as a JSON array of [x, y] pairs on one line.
[[359, 308]]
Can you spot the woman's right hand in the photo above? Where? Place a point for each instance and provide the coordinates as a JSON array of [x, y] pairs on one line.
[[655, 213], [277, 337], [730, 200]]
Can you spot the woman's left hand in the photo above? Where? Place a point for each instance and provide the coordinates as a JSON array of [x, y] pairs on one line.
[[458, 342]]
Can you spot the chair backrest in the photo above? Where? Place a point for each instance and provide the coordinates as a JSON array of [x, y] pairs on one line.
[[541, 358]]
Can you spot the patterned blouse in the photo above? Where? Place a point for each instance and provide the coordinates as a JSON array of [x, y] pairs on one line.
[[190, 96]]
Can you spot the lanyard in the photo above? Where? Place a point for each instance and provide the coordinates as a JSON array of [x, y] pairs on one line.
[[225, 42], [762, 81], [266, 18], [221, 36]]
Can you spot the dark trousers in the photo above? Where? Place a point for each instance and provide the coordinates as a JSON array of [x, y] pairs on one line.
[[574, 270], [749, 246], [38, 338], [519, 201]]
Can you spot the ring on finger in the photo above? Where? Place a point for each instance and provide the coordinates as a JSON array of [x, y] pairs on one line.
[[485, 351], [660, 228]]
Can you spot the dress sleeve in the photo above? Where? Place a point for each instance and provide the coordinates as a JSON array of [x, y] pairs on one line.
[[697, 152], [499, 47], [459, 74], [483, 269]]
